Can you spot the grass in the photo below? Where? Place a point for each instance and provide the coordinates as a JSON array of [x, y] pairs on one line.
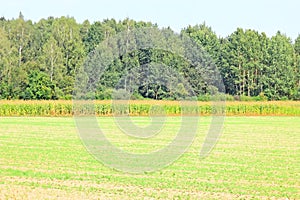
[[256, 157]]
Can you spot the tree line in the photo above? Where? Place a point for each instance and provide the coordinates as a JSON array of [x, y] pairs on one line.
[[39, 60]]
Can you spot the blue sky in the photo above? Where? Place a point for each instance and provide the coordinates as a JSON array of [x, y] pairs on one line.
[[223, 16]]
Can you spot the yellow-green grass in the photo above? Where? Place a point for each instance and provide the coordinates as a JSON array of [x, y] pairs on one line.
[[143, 107], [256, 158]]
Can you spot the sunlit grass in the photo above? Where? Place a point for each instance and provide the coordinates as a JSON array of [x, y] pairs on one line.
[[256, 157]]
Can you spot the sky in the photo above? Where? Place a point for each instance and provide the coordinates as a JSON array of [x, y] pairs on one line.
[[224, 16]]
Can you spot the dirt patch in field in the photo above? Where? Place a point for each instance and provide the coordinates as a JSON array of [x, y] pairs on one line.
[[30, 188]]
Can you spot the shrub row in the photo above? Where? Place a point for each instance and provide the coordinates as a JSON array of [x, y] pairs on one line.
[[145, 107]]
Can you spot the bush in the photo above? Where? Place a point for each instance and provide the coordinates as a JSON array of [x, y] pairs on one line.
[[204, 97], [246, 98]]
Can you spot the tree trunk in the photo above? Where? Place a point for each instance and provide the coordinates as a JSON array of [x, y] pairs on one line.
[[240, 81], [244, 74], [249, 85]]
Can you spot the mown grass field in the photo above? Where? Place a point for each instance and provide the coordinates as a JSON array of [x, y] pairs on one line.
[[256, 158]]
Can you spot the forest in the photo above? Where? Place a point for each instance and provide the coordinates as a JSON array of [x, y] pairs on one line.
[[39, 60]]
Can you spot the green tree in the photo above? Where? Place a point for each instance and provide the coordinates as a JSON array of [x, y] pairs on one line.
[[244, 60], [281, 78], [19, 32], [205, 37], [296, 92], [53, 60], [66, 32], [39, 87], [52, 52], [8, 61], [94, 36], [233, 62]]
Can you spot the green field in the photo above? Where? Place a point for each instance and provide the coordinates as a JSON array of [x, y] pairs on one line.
[[256, 157]]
